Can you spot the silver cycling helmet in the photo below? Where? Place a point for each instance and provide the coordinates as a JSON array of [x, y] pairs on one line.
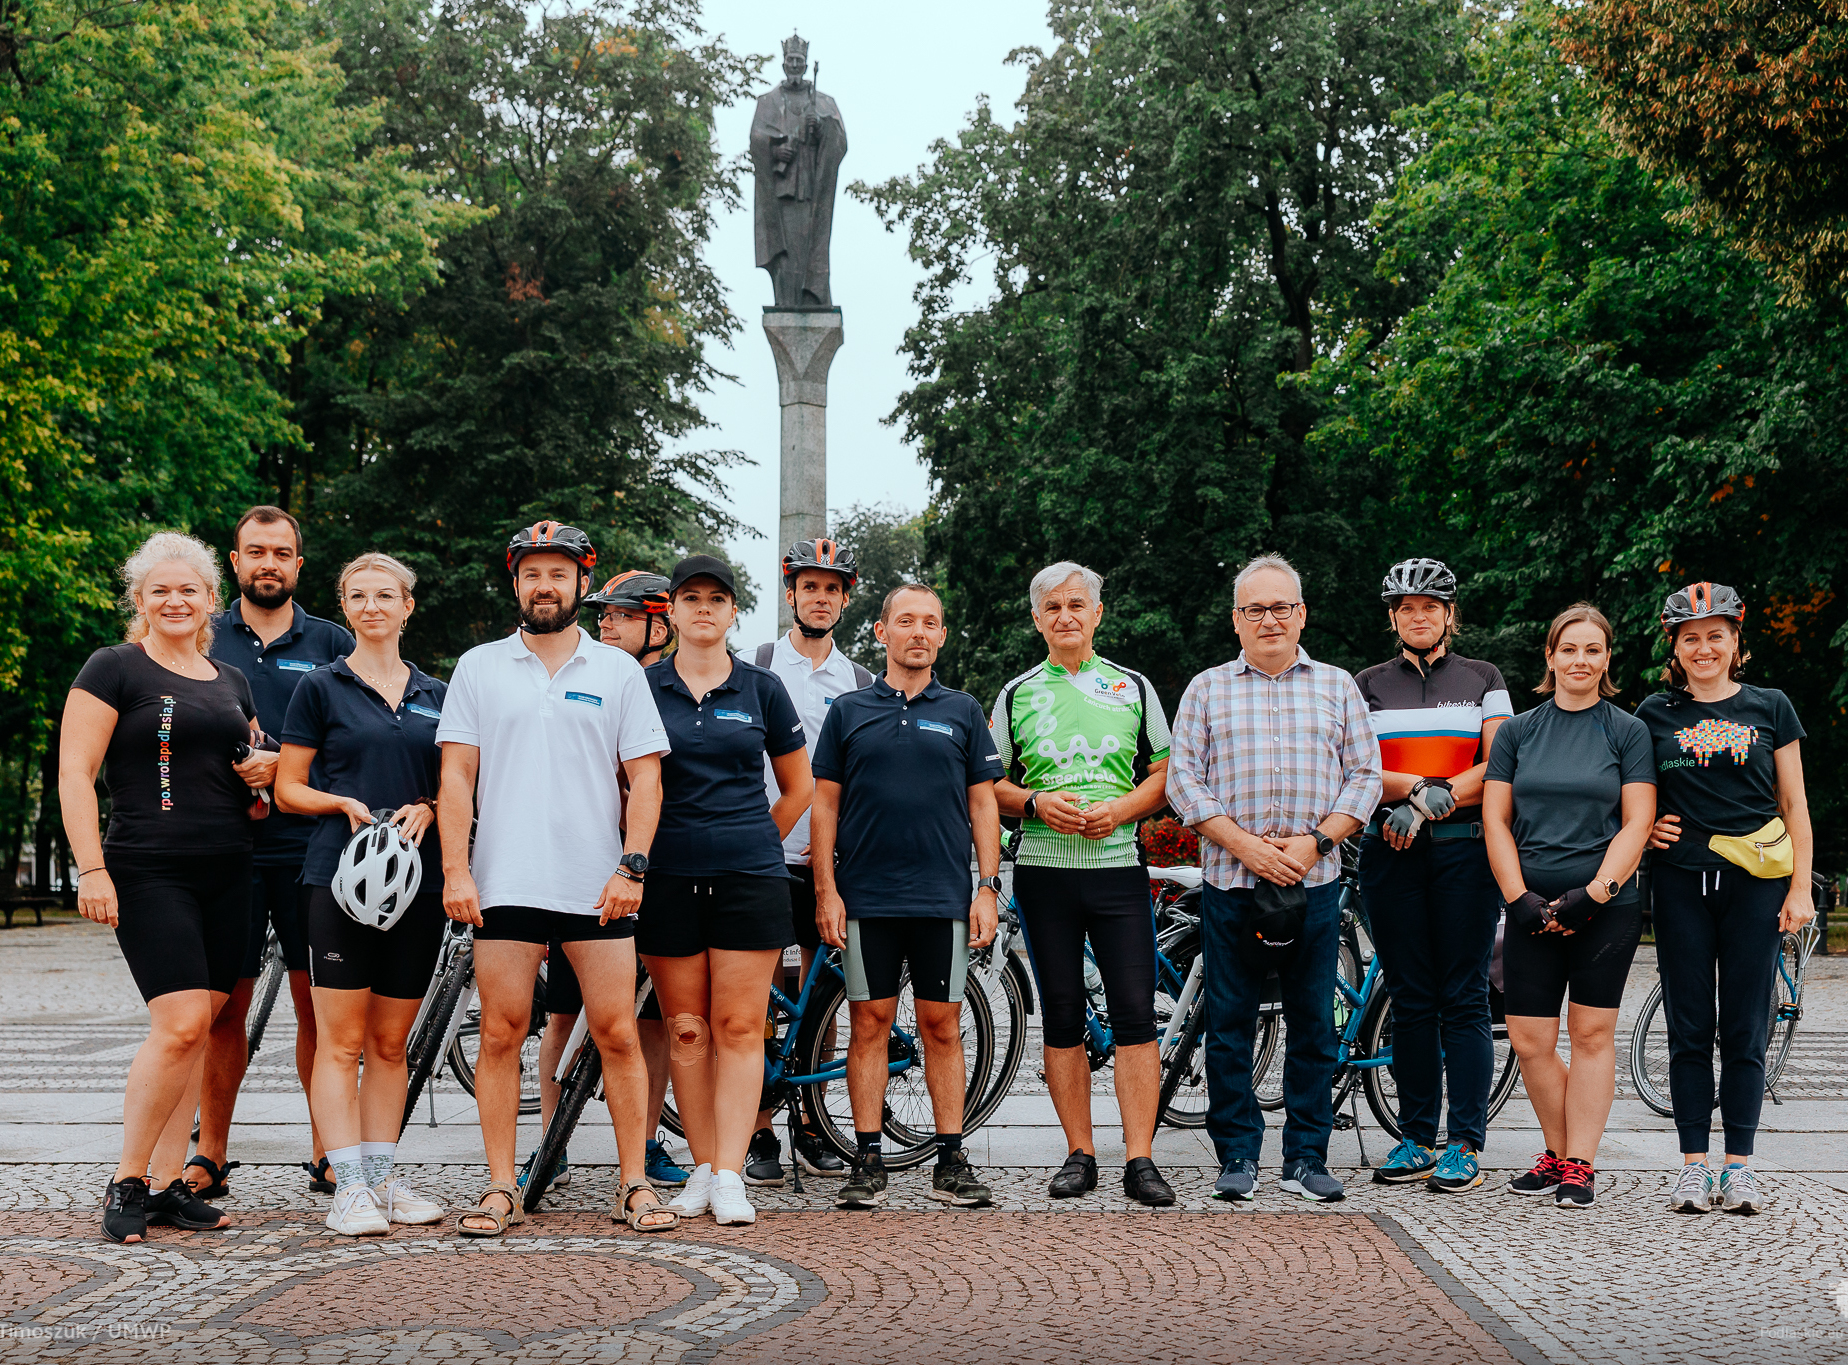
[[1419, 578], [379, 873]]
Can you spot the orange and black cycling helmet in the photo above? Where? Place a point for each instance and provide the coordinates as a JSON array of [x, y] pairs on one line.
[[634, 589], [1698, 601], [550, 537], [818, 554]]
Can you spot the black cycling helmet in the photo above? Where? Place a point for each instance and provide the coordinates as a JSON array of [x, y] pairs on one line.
[[1698, 601], [636, 589], [1419, 578], [818, 554], [551, 537]]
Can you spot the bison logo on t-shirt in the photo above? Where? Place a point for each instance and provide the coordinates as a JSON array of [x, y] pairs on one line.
[[1712, 737]]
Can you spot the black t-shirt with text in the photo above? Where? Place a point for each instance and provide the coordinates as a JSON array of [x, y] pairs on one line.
[[168, 766], [1714, 764]]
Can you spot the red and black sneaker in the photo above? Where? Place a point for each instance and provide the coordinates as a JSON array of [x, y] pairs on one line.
[[1575, 1191], [1543, 1179]]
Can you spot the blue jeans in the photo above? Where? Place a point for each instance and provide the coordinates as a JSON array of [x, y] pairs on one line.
[[1431, 909], [1234, 989]]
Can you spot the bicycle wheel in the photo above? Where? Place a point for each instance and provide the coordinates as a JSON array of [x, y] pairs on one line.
[[1183, 1071], [1007, 1012], [1786, 1008], [1649, 1055], [425, 1053], [1381, 1086], [573, 1095], [910, 1119], [263, 996], [467, 1047], [1507, 1077], [825, 1029], [1267, 1084]]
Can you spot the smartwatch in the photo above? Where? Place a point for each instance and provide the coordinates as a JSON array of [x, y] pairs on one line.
[[634, 866], [1323, 844], [989, 884], [1028, 810]]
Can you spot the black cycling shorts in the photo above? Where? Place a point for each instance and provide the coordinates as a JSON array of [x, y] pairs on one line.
[[1059, 908], [736, 911], [1594, 963], [396, 963], [802, 907], [182, 918], [276, 897], [879, 948], [528, 924]]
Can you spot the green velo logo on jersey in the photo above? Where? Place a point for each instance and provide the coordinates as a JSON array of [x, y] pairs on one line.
[[1076, 728]]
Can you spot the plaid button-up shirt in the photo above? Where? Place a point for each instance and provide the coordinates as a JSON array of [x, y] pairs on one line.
[[1278, 755]]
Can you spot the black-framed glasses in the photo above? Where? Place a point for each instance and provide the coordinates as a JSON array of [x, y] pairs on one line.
[[1277, 611]]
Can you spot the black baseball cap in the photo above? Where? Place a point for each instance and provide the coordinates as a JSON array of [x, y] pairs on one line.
[[702, 566]]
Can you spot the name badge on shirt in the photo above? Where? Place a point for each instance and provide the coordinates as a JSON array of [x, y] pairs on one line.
[[417, 710], [296, 665], [937, 728], [588, 698], [743, 716]]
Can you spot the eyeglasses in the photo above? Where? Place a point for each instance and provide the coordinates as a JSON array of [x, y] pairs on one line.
[[359, 601], [1277, 611]]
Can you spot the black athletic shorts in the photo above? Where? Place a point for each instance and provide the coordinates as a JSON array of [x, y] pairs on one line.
[[526, 924], [182, 918], [880, 946], [276, 898], [802, 907], [1060, 907], [397, 963], [1594, 963], [739, 911]]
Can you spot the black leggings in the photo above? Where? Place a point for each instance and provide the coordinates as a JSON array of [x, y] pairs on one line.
[[182, 918], [1059, 907], [1718, 925]]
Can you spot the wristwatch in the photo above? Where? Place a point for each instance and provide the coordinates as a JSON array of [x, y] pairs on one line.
[[634, 866], [1323, 844], [989, 884], [1028, 810], [1611, 887]]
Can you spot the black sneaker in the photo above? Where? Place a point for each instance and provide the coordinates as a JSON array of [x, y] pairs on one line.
[[177, 1206], [954, 1183], [1077, 1176], [815, 1156], [1542, 1179], [763, 1163], [125, 1210], [1142, 1182], [1575, 1185], [865, 1186]]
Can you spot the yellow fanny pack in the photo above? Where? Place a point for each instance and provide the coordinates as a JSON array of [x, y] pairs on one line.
[[1765, 852]]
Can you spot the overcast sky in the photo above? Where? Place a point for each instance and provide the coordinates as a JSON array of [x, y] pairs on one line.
[[903, 76]]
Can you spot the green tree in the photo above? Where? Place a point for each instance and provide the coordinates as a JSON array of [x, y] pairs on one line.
[[555, 369], [1598, 401], [888, 549], [1743, 102], [1180, 214]]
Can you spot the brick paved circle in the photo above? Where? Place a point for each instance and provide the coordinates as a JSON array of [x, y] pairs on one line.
[[26, 1282]]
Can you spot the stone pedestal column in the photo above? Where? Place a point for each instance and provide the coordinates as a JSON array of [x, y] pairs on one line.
[[804, 341]]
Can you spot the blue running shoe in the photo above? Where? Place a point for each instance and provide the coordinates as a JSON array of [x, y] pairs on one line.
[[1458, 1171], [561, 1173], [661, 1169], [1406, 1162]]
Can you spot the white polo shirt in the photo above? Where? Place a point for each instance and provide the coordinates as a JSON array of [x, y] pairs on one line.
[[811, 689], [551, 748]]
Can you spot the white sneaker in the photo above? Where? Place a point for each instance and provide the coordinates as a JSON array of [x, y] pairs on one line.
[[356, 1213], [729, 1204], [695, 1196], [402, 1204]]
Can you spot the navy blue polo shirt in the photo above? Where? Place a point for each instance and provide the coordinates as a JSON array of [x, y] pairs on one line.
[[905, 766], [715, 814], [274, 673], [366, 750]]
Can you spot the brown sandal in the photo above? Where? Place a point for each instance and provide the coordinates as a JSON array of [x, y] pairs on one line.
[[502, 1221], [633, 1216]]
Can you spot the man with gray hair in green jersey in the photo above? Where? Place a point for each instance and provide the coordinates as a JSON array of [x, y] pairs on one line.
[[1085, 744]]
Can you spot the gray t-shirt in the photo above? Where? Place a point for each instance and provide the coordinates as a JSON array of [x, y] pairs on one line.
[[1568, 770]]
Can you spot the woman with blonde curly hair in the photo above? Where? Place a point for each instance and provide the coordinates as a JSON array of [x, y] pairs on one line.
[[173, 876]]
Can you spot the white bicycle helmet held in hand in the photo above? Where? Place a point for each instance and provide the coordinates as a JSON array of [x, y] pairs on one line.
[[379, 873]]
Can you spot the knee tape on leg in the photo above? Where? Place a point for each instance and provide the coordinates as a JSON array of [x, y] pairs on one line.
[[689, 1039]]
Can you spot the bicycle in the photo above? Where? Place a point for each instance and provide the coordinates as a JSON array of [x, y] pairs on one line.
[[1649, 1060], [805, 1069], [448, 1019]]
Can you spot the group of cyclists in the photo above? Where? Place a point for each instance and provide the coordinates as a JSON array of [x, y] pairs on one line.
[[647, 798]]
